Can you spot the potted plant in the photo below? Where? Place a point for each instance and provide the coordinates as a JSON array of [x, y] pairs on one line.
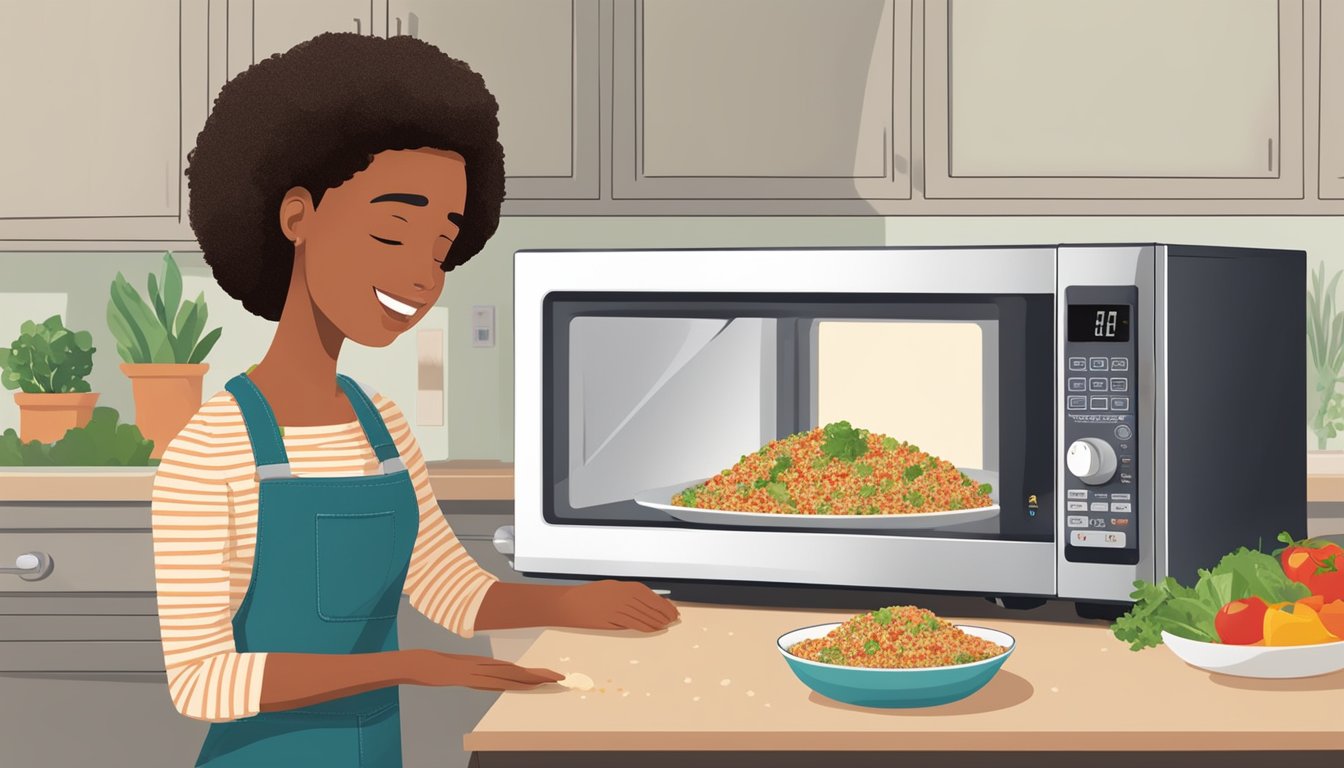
[[1325, 348], [162, 346], [48, 363]]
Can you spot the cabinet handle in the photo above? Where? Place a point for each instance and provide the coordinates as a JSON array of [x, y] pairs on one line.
[[358, 30], [398, 25], [31, 566], [1271, 153]]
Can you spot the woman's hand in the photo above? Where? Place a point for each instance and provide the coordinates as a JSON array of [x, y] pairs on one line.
[[614, 605], [427, 667]]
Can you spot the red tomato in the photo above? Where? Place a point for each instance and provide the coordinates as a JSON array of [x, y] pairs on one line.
[[1241, 622], [1317, 564]]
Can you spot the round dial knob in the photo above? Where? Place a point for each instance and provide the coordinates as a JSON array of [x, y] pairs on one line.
[[1091, 460]]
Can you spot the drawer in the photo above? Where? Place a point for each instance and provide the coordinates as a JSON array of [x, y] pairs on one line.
[[91, 656], [111, 561], [88, 516], [68, 628]]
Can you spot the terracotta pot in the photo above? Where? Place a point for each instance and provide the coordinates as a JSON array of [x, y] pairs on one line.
[[46, 417], [166, 397]]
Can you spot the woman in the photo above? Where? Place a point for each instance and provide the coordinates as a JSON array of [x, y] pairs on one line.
[[332, 188]]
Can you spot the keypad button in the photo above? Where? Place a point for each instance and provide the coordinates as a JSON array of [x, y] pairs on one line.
[[1120, 496], [1078, 385], [1077, 521], [1099, 506], [1120, 506], [1097, 385], [1123, 432], [1075, 493], [1077, 363], [1077, 506], [1119, 363], [1119, 403], [1119, 385], [1119, 522], [1078, 403], [1098, 364], [1105, 539], [1098, 404]]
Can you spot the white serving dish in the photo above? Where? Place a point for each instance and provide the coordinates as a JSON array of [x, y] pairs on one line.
[[660, 498], [1259, 660]]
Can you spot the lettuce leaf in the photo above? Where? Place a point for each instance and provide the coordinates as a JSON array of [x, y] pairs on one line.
[[1189, 611]]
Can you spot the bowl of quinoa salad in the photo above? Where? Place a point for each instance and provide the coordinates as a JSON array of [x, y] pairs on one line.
[[898, 656], [834, 476]]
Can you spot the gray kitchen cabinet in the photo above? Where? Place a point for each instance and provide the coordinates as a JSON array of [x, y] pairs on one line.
[[102, 102], [1332, 100], [540, 60], [761, 99], [261, 28], [1147, 99], [95, 610]]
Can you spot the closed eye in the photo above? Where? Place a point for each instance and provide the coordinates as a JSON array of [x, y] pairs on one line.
[[385, 241]]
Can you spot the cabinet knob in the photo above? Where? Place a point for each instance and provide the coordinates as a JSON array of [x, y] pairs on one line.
[[30, 566], [503, 540]]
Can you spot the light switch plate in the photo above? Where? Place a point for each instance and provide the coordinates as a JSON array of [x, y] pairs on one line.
[[483, 325]]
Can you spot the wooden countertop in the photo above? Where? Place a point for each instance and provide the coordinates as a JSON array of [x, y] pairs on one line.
[[464, 480], [714, 681]]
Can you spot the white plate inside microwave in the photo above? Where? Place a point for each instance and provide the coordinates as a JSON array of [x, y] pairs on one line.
[[661, 498]]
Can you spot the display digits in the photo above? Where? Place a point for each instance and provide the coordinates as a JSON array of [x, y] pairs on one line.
[[1106, 323]]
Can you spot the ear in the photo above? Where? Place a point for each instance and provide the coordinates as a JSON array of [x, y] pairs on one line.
[[296, 210]]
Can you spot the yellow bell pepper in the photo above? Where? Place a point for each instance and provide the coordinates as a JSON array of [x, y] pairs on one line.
[[1294, 624]]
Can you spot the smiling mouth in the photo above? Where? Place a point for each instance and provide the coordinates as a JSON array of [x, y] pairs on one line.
[[395, 305]]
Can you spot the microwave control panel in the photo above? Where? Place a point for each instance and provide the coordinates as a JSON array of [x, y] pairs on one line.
[[1099, 404]]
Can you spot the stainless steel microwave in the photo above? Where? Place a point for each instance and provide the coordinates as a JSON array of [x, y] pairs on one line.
[[1139, 408]]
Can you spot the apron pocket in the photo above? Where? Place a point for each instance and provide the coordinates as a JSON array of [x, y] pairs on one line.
[[356, 566]]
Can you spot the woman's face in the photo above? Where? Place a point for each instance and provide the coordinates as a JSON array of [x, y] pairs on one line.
[[372, 249]]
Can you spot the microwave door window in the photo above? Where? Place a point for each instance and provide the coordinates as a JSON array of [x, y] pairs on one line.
[[932, 383], [655, 401]]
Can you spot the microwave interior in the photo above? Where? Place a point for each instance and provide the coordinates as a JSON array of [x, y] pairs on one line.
[[648, 390]]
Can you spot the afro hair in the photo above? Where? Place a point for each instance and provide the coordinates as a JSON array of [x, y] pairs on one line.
[[313, 117]]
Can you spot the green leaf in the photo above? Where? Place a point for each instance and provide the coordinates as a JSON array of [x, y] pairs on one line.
[[867, 490], [780, 493], [871, 647], [912, 472], [138, 319], [843, 442], [188, 330], [830, 655], [127, 345], [882, 616], [986, 488], [172, 290], [156, 300], [889, 444], [863, 470]]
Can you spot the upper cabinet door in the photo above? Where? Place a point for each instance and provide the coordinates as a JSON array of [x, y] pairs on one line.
[[1332, 99], [1114, 98], [97, 99], [763, 99], [540, 59], [260, 28]]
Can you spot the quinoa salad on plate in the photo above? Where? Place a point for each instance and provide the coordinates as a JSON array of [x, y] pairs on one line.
[[897, 637], [838, 470]]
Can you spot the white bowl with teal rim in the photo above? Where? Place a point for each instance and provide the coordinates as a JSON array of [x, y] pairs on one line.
[[894, 688]]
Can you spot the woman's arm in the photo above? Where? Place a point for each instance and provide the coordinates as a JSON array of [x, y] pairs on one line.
[[296, 680], [595, 605]]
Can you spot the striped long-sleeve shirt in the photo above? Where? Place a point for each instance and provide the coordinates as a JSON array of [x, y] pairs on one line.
[[204, 513]]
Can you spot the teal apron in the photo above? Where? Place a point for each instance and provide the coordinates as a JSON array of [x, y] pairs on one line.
[[331, 558]]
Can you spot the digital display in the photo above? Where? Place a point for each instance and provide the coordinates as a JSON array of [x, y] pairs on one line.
[[1098, 322]]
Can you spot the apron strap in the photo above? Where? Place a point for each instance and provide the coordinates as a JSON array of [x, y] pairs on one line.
[[268, 448], [374, 428]]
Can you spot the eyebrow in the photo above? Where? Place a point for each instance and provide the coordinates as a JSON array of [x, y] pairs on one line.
[[420, 201], [402, 197]]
